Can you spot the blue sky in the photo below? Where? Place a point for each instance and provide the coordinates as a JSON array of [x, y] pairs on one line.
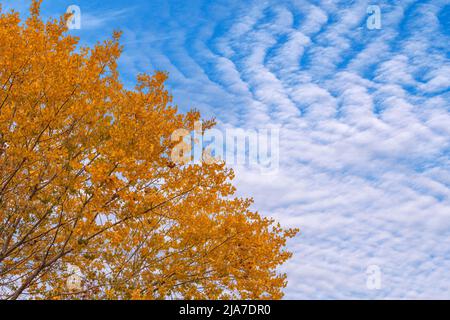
[[364, 117]]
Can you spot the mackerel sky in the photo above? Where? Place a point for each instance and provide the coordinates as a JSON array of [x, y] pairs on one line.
[[364, 117]]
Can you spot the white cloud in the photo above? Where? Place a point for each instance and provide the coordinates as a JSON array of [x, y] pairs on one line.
[[365, 130]]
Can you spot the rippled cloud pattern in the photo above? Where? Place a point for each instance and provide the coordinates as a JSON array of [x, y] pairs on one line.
[[364, 117]]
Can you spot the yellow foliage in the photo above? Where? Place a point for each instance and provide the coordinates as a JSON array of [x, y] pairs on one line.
[[85, 180]]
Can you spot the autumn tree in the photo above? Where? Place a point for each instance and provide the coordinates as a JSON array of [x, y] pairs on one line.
[[86, 180]]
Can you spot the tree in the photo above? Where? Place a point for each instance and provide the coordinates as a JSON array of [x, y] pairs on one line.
[[87, 184]]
